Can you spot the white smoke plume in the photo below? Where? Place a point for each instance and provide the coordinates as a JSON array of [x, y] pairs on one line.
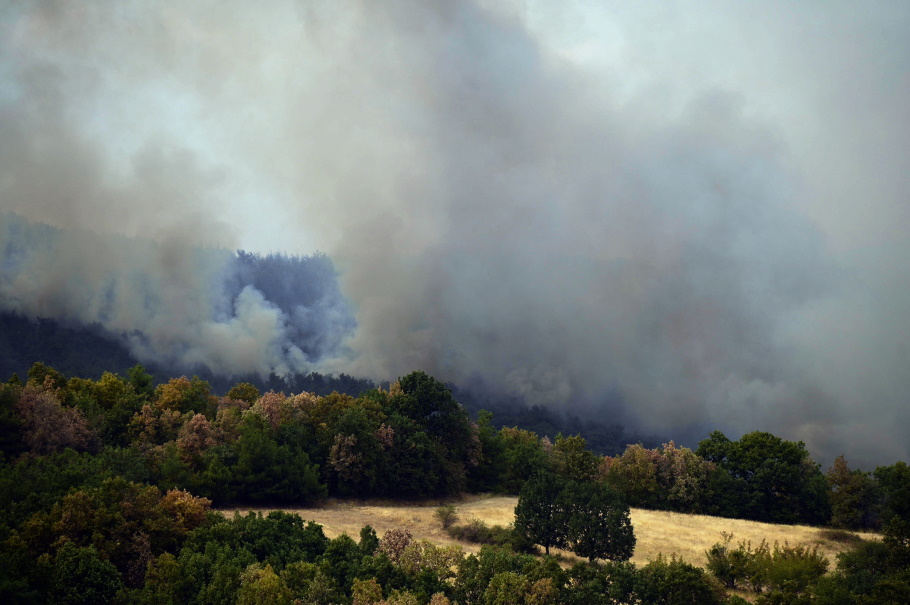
[[698, 207]]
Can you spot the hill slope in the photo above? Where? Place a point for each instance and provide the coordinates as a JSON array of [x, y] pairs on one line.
[[687, 536]]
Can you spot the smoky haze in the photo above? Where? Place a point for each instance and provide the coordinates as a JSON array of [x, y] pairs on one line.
[[179, 307], [686, 219]]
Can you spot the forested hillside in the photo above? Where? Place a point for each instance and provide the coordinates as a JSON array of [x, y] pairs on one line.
[[106, 487], [90, 351]]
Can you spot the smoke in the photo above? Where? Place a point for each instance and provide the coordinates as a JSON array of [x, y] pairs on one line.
[[685, 218], [178, 306]]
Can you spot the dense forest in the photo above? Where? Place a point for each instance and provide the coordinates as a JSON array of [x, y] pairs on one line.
[[90, 351], [107, 487]]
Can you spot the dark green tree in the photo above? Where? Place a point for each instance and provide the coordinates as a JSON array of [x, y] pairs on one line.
[[772, 479], [355, 456], [369, 541], [854, 497], [341, 561], [598, 522], [81, 576], [894, 483], [10, 423], [265, 471], [675, 582], [142, 381], [430, 403], [487, 475], [416, 466], [540, 516], [609, 583]]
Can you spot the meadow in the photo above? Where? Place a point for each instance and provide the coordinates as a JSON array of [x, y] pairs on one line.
[[657, 532]]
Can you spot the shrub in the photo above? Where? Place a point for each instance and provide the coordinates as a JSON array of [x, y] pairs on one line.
[[475, 531], [789, 570], [758, 566], [841, 536], [675, 582], [794, 569], [447, 515], [730, 565]]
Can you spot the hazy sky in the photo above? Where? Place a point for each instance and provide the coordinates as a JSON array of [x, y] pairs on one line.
[[692, 213]]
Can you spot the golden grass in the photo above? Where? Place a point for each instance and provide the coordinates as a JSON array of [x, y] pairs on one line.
[[689, 536], [686, 536], [349, 516]]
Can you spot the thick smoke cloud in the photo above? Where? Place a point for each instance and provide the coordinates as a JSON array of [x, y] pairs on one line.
[[179, 307], [688, 218]]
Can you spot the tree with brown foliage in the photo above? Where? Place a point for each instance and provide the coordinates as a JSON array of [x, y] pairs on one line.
[[48, 425]]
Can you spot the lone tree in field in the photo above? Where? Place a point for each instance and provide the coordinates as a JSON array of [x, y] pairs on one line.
[[588, 518], [539, 515], [599, 526]]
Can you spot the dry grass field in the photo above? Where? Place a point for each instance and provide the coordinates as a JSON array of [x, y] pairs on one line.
[[686, 536]]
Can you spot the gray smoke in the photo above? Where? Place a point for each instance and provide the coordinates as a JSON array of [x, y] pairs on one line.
[[179, 307], [699, 208]]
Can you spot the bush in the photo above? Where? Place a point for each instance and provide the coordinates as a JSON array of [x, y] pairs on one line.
[[840, 536], [866, 574], [788, 569], [478, 532], [758, 566], [742, 564], [726, 563], [447, 515], [795, 568], [609, 582], [475, 531], [675, 582], [476, 572]]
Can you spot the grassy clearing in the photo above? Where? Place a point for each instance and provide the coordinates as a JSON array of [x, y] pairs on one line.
[[687, 536]]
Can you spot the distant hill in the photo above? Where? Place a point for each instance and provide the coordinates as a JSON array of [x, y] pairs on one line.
[[86, 351], [89, 351]]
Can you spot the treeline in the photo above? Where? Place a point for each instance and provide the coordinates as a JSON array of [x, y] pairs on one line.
[[77, 351], [412, 440], [510, 410], [90, 351], [760, 477]]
